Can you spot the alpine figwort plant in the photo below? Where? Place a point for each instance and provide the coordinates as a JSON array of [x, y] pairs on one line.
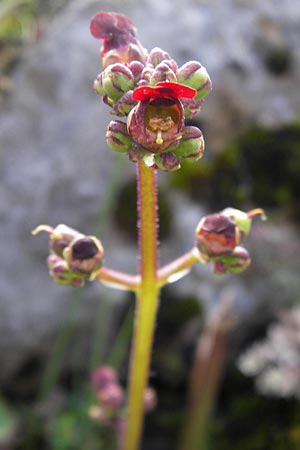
[[151, 97]]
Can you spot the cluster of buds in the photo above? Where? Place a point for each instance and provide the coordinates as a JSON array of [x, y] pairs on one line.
[[218, 239], [74, 258], [110, 396], [152, 92]]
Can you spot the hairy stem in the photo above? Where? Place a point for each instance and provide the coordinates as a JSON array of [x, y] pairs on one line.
[[118, 280], [147, 298]]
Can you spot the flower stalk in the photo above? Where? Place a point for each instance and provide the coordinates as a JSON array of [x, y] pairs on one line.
[[147, 299]]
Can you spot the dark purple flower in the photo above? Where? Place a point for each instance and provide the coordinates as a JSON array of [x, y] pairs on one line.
[[119, 38]]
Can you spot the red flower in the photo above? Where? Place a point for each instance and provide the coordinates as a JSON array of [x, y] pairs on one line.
[[157, 121], [164, 89]]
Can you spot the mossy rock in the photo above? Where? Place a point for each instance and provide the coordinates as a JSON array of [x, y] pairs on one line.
[[260, 168]]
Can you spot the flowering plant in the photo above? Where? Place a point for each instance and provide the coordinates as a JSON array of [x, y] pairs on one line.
[[152, 97]]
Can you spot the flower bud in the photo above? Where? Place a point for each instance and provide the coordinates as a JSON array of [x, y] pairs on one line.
[[172, 64], [235, 263], [136, 68], [117, 136], [137, 153], [243, 220], [167, 161], [60, 236], [193, 74], [98, 86], [136, 52], [116, 80], [217, 235], [111, 396], [84, 255], [61, 274], [146, 75], [124, 105], [157, 55], [191, 107], [103, 376], [162, 72], [191, 145], [150, 400]]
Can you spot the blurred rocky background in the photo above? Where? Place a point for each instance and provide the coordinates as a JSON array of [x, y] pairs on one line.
[[56, 168]]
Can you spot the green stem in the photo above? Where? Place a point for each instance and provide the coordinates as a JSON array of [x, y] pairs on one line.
[[118, 280], [178, 268], [147, 298]]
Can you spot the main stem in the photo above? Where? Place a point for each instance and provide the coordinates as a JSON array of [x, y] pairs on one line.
[[147, 298]]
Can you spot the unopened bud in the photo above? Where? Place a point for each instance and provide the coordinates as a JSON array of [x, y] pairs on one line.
[[162, 72], [116, 80], [136, 52], [217, 235], [137, 153], [98, 86], [103, 376], [60, 236], [111, 396], [172, 64], [61, 274], [236, 262], [124, 105], [191, 145], [136, 68], [84, 255], [240, 260], [117, 136], [193, 74], [146, 75], [191, 107], [157, 55], [243, 220], [167, 161], [150, 400]]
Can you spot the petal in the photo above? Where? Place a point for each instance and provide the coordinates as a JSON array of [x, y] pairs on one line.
[[163, 89]]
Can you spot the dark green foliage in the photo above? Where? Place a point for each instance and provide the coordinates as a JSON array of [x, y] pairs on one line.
[[248, 421], [278, 61]]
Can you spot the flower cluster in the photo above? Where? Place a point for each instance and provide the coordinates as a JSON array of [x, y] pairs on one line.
[[218, 238], [152, 92], [110, 396], [74, 258]]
